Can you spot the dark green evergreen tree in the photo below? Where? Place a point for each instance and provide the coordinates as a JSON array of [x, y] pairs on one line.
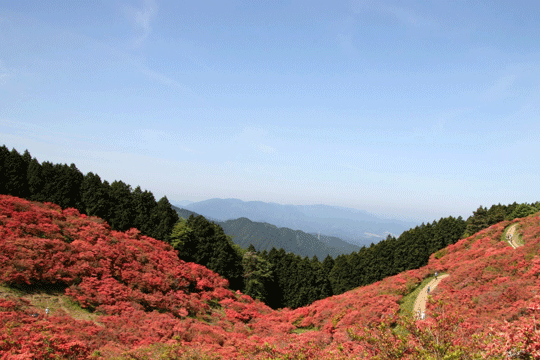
[[477, 222], [257, 275], [286, 277], [35, 180], [203, 242], [164, 218], [95, 196], [522, 210], [15, 168], [4, 155], [321, 287], [122, 213], [144, 205], [340, 276], [69, 181], [274, 291], [496, 213]]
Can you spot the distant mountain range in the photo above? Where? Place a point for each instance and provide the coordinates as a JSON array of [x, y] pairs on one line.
[[354, 226], [264, 236], [181, 203]]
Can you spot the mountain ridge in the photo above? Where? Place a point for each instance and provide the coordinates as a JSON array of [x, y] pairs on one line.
[[265, 236], [347, 224]]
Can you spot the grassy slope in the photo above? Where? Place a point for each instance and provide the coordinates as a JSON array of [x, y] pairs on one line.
[[41, 299]]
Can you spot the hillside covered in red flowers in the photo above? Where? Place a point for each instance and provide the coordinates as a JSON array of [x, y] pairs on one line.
[[143, 302]]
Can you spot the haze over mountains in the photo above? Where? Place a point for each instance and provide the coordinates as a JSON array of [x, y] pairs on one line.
[[265, 236], [354, 226]]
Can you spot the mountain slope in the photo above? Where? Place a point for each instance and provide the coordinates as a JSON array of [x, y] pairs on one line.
[[146, 303], [184, 213], [138, 287], [355, 226], [265, 236]]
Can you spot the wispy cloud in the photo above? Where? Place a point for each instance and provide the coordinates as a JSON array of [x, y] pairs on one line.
[[265, 148], [142, 18], [254, 137], [5, 73], [405, 15], [516, 78], [162, 78], [499, 89], [43, 132]]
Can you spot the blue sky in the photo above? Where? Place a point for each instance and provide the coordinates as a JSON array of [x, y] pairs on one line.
[[410, 109]]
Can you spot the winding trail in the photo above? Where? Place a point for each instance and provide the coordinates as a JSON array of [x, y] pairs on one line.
[[421, 299], [55, 302], [511, 235]]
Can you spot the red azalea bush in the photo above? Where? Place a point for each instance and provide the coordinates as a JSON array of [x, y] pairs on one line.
[[126, 277], [26, 337]]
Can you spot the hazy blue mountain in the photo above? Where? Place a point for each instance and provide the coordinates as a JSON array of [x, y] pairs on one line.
[[183, 213], [264, 236], [352, 225], [181, 203]]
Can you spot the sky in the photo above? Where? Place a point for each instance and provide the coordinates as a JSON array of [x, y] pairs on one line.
[[406, 109]]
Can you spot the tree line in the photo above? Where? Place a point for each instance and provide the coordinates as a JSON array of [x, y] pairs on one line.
[[117, 203], [283, 279], [278, 278]]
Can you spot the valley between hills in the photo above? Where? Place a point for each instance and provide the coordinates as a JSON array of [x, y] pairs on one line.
[[99, 270], [123, 295]]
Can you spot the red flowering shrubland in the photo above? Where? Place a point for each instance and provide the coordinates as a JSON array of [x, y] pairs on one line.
[[103, 269], [490, 280], [138, 284], [149, 304], [24, 336]]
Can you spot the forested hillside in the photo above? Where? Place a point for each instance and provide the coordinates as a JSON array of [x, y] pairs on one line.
[[117, 203], [278, 277], [183, 213], [264, 236], [140, 301]]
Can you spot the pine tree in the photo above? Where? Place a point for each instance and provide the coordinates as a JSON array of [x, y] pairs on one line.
[[95, 196], [69, 180], [164, 218], [273, 287], [322, 288], [123, 211], [4, 155], [15, 169], [35, 180], [203, 242], [477, 222], [257, 275], [340, 276], [522, 210], [145, 216]]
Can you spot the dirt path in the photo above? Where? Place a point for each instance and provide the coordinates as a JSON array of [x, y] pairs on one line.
[[511, 236], [55, 302], [421, 299]]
